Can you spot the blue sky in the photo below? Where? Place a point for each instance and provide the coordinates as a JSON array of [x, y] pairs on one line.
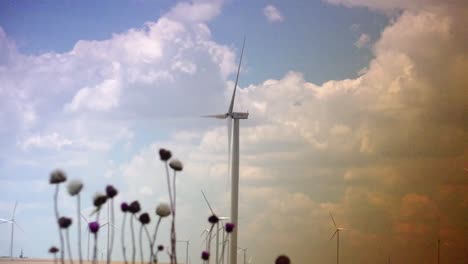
[[349, 102], [315, 38]]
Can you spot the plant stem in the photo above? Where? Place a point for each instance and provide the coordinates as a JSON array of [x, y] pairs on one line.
[[96, 240], [112, 233], [153, 241], [141, 244], [57, 216], [68, 245], [123, 238], [133, 239], [173, 231], [149, 240], [79, 227]]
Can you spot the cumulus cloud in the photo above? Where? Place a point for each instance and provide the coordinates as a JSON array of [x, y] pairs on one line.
[[272, 14], [382, 151], [362, 41]]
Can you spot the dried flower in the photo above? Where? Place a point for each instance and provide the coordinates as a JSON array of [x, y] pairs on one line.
[[283, 259], [213, 219], [134, 207], [53, 250], [230, 227], [124, 206], [160, 247], [93, 227], [205, 255], [57, 177], [64, 222], [163, 210], [99, 199], [74, 187], [176, 165], [164, 154], [111, 191], [144, 218]]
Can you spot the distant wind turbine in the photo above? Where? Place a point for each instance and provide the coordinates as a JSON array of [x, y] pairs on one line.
[[187, 242], [233, 160], [221, 218], [337, 233], [13, 222], [245, 253]]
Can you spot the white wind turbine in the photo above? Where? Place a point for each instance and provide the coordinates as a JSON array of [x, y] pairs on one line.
[[187, 243], [100, 226], [233, 160], [337, 233], [13, 222], [221, 218]]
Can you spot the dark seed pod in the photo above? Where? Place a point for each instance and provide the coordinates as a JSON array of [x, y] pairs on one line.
[[164, 154], [144, 218], [64, 222], [134, 207], [111, 191]]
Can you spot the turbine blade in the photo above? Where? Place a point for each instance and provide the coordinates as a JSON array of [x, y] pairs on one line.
[[229, 128], [208, 203], [231, 106], [336, 231], [334, 223], [22, 230], [84, 217], [4, 221], [14, 211], [220, 116]]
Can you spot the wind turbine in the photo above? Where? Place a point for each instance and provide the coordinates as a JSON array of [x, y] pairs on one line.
[[233, 117], [221, 218], [245, 253], [13, 222], [337, 233], [187, 242]]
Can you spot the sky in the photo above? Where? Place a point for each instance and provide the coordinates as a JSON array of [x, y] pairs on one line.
[[357, 107]]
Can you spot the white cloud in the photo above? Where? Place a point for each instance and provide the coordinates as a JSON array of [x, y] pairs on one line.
[[272, 14], [363, 40], [54, 141], [102, 97]]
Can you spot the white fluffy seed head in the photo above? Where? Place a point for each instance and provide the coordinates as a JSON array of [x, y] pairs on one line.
[[74, 187], [176, 165], [163, 210]]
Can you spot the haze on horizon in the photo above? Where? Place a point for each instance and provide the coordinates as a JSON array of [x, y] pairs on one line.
[[356, 107]]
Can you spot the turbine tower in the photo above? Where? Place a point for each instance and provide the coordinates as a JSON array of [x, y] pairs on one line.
[[337, 233], [233, 117], [13, 223]]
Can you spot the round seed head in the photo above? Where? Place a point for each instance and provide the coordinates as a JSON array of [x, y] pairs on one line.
[[163, 210], [111, 191], [57, 177], [74, 187], [160, 247], [282, 259], [230, 227], [99, 199], [93, 227], [53, 250], [213, 219], [64, 222], [164, 154], [176, 165], [124, 207], [144, 218], [134, 207], [205, 255]]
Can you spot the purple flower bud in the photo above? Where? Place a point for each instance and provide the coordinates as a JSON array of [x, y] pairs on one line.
[[57, 177], [160, 247], [111, 191], [213, 219], [164, 154], [64, 222], [230, 227], [144, 218], [283, 259], [53, 250], [94, 227], [124, 206], [205, 255], [99, 199], [134, 207]]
